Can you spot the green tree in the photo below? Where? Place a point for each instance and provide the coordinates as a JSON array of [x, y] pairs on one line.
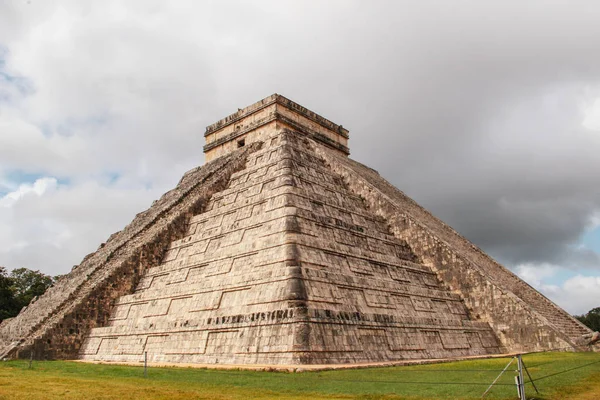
[[18, 288], [28, 284], [591, 319], [8, 305]]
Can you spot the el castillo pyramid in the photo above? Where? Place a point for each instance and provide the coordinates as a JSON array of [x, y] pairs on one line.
[[283, 250]]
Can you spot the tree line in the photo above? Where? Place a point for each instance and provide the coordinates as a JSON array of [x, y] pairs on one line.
[[19, 287], [591, 319]]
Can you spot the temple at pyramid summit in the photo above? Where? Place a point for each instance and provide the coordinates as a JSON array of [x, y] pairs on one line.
[[282, 250]]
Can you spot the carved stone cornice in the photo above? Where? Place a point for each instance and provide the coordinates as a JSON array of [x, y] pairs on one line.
[[280, 100]]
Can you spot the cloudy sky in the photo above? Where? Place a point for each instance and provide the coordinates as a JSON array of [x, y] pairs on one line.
[[485, 112]]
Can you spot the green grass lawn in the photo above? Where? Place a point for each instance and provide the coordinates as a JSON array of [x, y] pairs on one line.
[[563, 376]]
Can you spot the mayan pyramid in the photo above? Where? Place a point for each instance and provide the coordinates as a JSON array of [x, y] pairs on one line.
[[283, 250]]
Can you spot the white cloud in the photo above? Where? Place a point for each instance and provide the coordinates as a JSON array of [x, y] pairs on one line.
[[39, 187], [592, 116], [51, 227], [577, 294], [535, 274]]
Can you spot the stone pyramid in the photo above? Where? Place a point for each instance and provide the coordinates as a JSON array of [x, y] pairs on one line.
[[282, 250]]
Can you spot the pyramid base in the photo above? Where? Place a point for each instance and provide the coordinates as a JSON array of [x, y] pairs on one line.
[[300, 367]]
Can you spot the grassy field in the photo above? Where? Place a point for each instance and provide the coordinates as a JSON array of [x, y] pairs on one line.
[[561, 376]]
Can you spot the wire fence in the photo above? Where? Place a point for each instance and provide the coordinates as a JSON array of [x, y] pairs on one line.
[[503, 377], [566, 370], [432, 375]]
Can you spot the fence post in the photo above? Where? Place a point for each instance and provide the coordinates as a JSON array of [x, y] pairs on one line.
[[145, 364], [521, 381]]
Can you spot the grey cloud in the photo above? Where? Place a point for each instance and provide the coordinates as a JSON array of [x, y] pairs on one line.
[[472, 108]]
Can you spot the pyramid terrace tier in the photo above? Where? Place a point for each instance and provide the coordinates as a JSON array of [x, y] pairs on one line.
[[197, 293], [213, 320], [276, 337]]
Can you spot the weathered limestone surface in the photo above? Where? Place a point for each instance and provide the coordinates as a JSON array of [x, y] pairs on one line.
[[57, 322], [282, 250], [257, 121], [522, 318], [288, 266]]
